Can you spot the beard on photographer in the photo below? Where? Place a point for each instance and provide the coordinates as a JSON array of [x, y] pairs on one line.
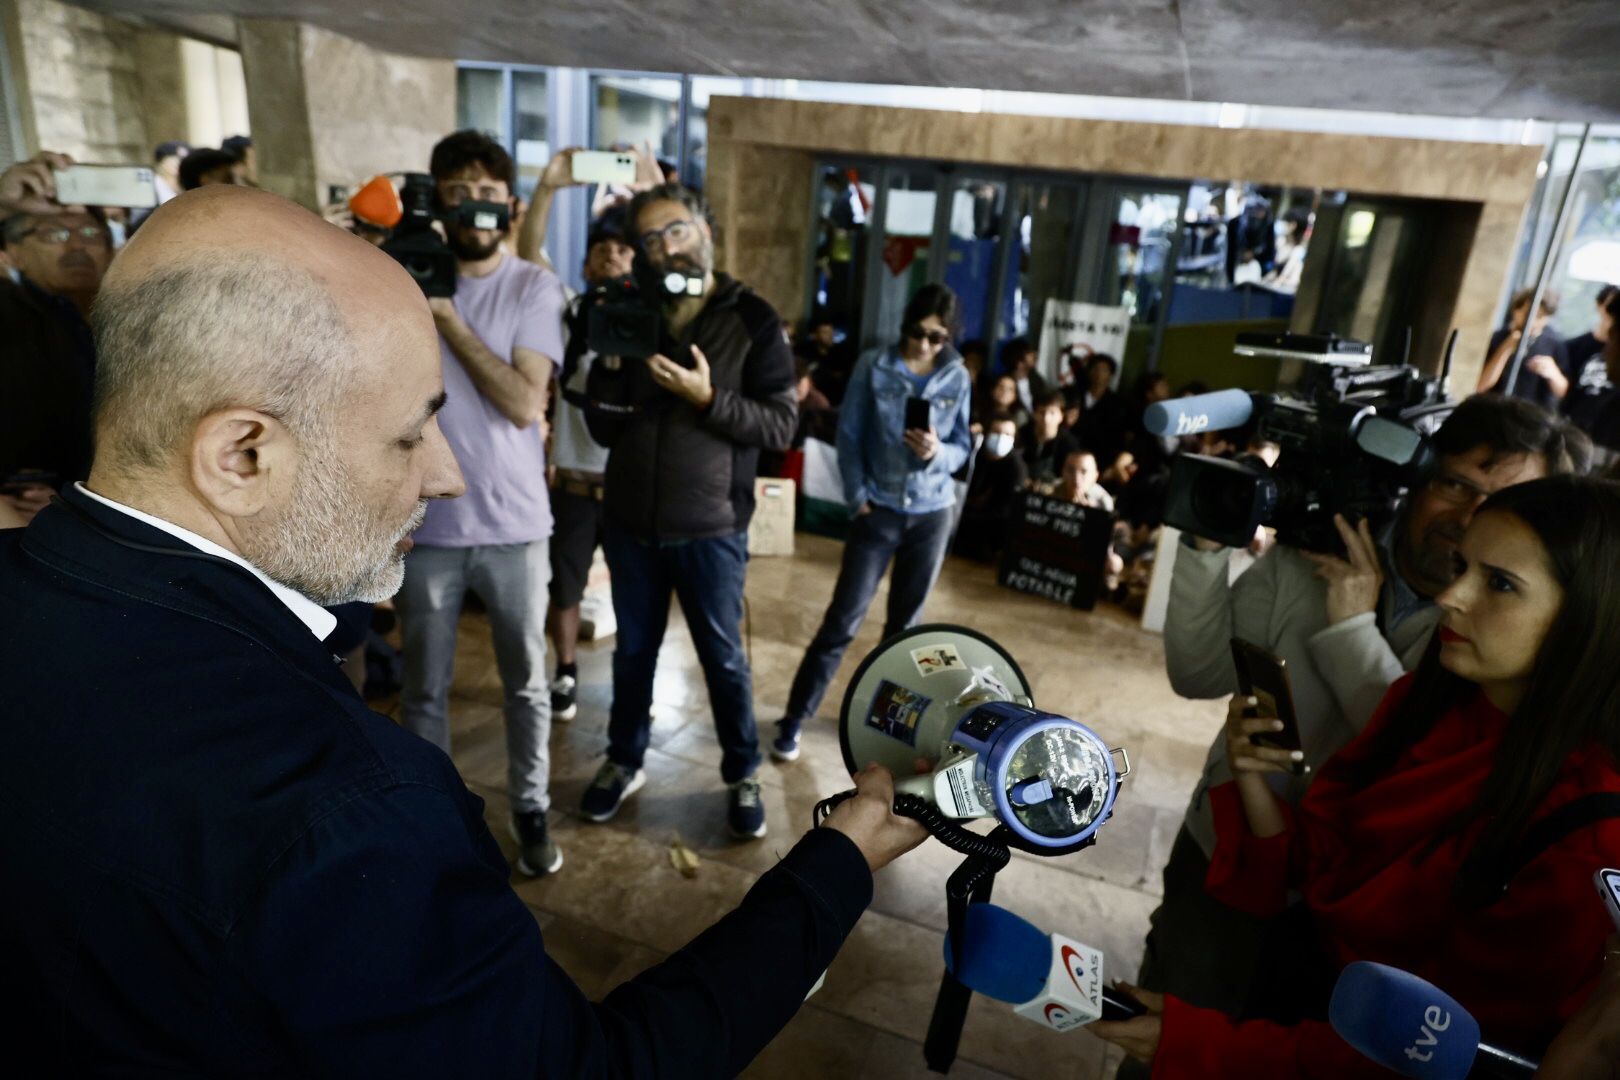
[[1347, 628]]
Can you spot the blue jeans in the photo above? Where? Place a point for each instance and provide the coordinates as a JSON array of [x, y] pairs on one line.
[[707, 577], [917, 544]]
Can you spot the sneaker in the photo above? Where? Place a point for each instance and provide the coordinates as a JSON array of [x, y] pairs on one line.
[[539, 855], [563, 705], [745, 812], [613, 785], [785, 747]]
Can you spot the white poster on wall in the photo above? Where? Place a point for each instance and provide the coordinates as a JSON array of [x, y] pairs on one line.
[[1071, 329]]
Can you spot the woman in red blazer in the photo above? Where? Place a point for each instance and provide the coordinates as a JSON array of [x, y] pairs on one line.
[[1408, 849]]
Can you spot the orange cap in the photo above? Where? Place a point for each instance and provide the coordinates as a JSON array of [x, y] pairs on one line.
[[377, 203]]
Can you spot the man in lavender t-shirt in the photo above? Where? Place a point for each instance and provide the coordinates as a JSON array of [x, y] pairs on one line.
[[498, 338]]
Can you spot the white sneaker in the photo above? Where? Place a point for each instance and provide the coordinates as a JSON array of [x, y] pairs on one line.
[[563, 705]]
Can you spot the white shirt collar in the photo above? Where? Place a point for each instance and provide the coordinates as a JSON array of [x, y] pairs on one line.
[[321, 622]]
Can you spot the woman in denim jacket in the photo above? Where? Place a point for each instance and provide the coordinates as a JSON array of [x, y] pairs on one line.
[[899, 484]]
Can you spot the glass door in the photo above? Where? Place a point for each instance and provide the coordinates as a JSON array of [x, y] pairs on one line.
[[975, 231], [1044, 256], [908, 205]]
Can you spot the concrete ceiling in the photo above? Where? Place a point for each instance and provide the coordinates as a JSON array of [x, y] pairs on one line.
[[1552, 59]]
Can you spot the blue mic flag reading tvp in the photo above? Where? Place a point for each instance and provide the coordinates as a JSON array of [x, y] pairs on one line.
[[1003, 956], [1403, 1023], [1202, 412]]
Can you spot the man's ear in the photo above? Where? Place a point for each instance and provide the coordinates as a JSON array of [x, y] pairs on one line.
[[240, 458]]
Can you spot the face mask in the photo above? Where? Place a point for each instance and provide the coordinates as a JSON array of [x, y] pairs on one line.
[[999, 444]]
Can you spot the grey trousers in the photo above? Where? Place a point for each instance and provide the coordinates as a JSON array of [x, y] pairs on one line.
[[511, 580]]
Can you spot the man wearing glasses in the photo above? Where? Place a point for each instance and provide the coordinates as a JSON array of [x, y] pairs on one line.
[[1348, 628], [680, 492], [60, 254]]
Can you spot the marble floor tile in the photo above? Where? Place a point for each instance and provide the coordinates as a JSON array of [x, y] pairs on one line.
[[618, 906]]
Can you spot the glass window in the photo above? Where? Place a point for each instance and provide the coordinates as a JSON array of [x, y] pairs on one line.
[[1048, 224], [908, 230], [632, 111], [1139, 243], [1589, 256], [533, 148], [1242, 252], [478, 101], [704, 87], [843, 218], [978, 208]]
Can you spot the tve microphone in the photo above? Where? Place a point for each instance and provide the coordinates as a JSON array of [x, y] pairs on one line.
[[1202, 412], [1412, 1027], [1050, 979]]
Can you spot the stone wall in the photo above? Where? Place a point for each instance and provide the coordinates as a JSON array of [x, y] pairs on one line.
[[81, 82], [328, 111]]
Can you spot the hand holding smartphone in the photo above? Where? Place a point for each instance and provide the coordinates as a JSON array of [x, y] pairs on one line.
[[918, 414], [1264, 676]]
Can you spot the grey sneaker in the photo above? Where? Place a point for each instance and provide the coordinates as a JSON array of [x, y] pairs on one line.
[[539, 855], [745, 813], [613, 785]]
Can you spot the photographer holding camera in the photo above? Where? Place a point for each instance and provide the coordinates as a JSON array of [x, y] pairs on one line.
[[1347, 628], [497, 338], [680, 489]]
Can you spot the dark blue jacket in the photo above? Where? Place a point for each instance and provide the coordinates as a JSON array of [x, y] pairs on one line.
[[214, 860]]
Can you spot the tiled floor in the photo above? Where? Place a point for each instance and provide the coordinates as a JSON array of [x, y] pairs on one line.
[[618, 905]]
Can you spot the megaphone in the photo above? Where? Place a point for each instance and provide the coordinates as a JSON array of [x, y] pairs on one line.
[[953, 697]]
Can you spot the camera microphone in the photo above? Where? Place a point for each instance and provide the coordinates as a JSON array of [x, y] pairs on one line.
[[1414, 1028], [1199, 413], [1048, 978]]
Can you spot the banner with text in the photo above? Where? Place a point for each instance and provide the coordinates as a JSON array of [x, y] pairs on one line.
[[1074, 330]]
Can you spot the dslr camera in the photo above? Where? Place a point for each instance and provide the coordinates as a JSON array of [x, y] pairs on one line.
[[1353, 438], [416, 245]]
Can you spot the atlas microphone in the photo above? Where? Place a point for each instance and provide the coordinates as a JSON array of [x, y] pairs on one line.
[[1048, 978], [1194, 415], [1414, 1028]]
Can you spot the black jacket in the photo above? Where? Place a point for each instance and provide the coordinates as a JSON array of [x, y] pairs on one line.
[[47, 364], [675, 472], [217, 862]]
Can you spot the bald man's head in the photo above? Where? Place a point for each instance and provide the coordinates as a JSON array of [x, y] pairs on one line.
[[270, 368]]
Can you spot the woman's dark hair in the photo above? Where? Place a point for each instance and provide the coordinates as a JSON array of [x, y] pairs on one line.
[[1573, 686], [933, 300], [467, 147]]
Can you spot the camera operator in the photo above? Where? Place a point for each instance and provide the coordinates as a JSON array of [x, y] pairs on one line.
[[217, 861], [497, 338], [1347, 628], [680, 492], [61, 254]]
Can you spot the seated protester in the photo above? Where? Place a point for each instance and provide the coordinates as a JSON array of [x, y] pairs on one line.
[[1117, 477], [994, 493], [1046, 444], [830, 360], [1003, 398], [1450, 829], [48, 364], [1079, 482], [1546, 373], [1104, 421], [1019, 359], [818, 419], [1588, 357]]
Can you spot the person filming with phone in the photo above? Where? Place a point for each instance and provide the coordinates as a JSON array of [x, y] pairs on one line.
[[61, 254], [902, 433], [1457, 836], [1346, 628]]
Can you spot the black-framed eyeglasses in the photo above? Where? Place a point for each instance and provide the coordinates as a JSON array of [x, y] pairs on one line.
[[677, 232], [1455, 490], [61, 234], [936, 338]]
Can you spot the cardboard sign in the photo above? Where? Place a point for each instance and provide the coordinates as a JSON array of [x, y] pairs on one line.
[[1058, 550], [771, 530]]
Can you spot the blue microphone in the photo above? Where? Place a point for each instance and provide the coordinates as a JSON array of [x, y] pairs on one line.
[[1412, 1027], [1202, 412], [1050, 979]]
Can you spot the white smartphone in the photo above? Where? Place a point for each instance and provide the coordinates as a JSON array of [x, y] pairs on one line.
[[604, 167], [1608, 883], [106, 185]]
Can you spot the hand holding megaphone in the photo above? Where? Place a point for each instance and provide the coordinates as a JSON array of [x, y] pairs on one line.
[[867, 817]]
